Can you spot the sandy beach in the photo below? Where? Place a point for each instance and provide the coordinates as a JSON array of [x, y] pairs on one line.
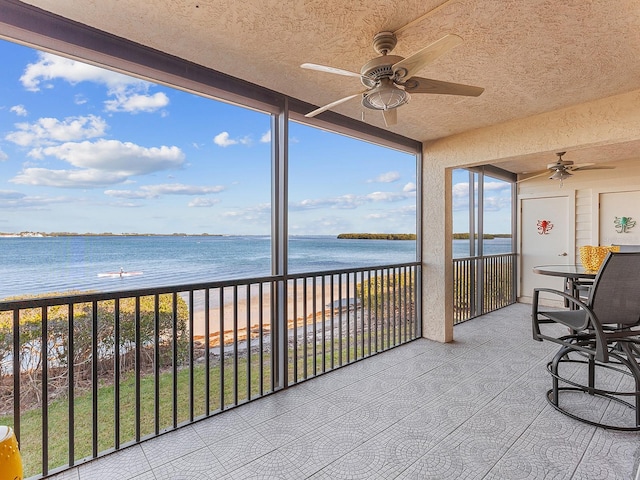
[[243, 311]]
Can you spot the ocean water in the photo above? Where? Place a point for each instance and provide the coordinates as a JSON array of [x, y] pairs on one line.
[[60, 264], [490, 247]]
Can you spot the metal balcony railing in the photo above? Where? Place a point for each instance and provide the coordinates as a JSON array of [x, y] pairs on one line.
[[483, 284], [85, 374]]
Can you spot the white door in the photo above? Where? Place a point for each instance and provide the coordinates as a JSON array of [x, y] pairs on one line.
[[545, 239], [613, 207]]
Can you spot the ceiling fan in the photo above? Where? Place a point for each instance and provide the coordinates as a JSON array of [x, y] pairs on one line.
[[390, 79], [562, 169]]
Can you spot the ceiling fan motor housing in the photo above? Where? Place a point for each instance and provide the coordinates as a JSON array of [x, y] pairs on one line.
[[375, 70]]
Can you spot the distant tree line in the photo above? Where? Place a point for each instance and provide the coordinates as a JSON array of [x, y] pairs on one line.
[[378, 236]]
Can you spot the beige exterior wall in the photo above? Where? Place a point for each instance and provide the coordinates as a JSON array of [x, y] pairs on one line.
[[603, 122]]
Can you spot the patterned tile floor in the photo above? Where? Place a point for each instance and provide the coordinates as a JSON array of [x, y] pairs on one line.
[[471, 409]]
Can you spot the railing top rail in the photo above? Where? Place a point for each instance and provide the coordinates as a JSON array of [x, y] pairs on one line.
[[461, 259], [321, 273], [87, 297], [140, 292]]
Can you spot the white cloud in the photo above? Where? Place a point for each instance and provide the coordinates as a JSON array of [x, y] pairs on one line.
[[125, 158], [460, 189], [460, 192], [47, 131], [497, 186], [127, 204], [496, 204], [387, 196], [3, 156], [180, 189], [266, 137], [203, 202], [130, 93], [68, 178], [387, 177], [224, 140], [261, 212], [395, 213], [15, 200], [128, 194], [50, 67], [409, 187], [99, 164], [350, 201], [378, 216], [19, 110], [154, 191], [407, 210], [10, 194], [135, 103]]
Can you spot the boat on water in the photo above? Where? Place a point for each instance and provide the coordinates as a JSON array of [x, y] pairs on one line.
[[122, 273]]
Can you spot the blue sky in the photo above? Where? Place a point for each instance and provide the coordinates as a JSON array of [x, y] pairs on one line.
[[84, 149], [497, 203]]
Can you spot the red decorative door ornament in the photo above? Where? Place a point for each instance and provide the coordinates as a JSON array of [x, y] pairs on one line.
[[544, 226]]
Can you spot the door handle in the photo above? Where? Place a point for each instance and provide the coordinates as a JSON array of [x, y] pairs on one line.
[[563, 254]]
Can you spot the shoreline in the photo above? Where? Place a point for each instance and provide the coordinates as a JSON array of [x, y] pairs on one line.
[[247, 320]]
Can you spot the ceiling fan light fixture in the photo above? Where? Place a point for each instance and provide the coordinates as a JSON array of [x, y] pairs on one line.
[[385, 97], [560, 175]]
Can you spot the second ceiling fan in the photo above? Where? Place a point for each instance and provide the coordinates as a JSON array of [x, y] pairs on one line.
[[390, 79], [562, 169]]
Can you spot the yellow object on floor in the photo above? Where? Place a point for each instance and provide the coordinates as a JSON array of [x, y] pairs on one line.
[[10, 460]]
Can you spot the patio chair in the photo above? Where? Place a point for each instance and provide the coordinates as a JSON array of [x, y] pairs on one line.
[[603, 333]]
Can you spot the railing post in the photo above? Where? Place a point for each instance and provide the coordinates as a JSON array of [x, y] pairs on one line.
[[417, 296], [480, 284], [16, 374]]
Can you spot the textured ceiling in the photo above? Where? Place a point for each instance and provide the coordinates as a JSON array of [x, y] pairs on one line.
[[531, 56]]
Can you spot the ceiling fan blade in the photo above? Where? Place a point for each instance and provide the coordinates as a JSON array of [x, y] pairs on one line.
[[590, 166], [390, 117], [332, 104], [580, 166], [409, 66], [427, 85], [324, 68]]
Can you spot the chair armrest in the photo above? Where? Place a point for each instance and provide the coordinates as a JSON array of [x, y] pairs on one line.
[[590, 322], [570, 299]]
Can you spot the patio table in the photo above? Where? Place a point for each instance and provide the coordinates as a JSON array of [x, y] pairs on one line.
[[575, 276]]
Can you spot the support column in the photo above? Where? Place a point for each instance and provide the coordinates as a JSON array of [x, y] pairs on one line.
[[437, 268]]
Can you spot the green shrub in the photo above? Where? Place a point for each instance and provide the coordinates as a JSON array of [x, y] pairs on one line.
[[55, 346], [380, 290]]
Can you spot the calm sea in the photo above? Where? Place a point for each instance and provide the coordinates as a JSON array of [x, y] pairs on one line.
[[59, 264]]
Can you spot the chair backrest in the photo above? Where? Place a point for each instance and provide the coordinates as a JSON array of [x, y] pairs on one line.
[[615, 294], [627, 248]]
